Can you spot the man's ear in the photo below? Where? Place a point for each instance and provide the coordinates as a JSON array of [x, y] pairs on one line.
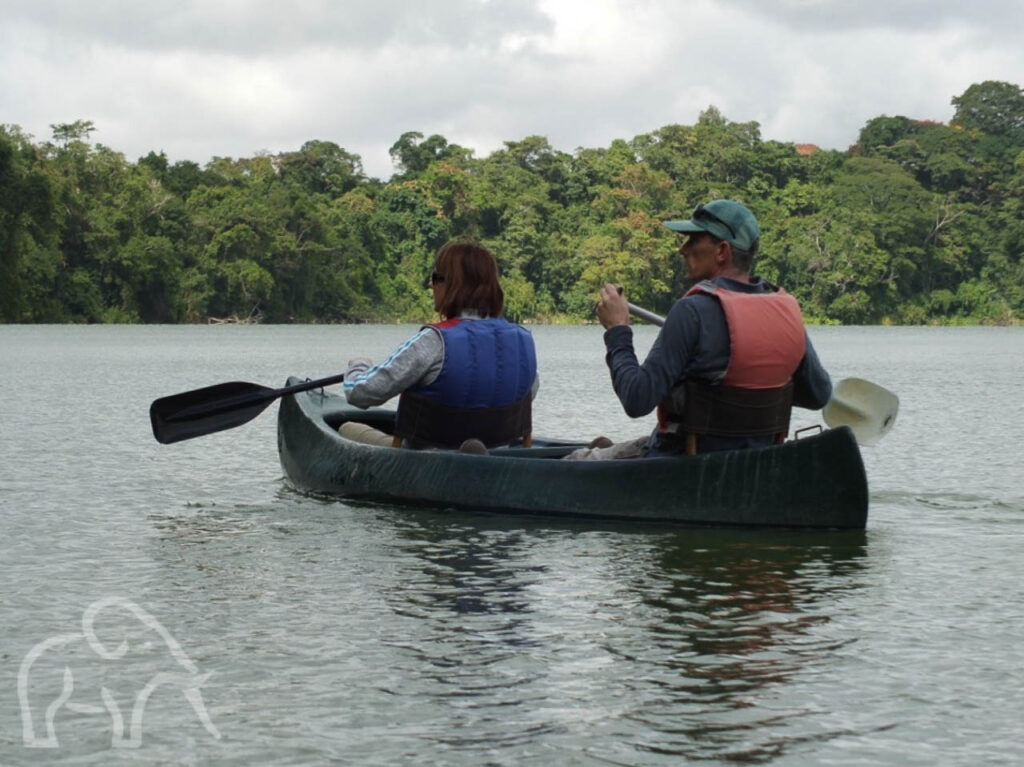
[[723, 253]]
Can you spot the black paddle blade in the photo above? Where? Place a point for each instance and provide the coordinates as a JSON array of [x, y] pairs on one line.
[[208, 410]]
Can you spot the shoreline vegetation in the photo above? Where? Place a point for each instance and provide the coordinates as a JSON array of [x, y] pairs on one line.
[[917, 223]]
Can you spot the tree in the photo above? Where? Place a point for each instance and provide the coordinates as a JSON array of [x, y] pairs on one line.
[[883, 131], [178, 179], [79, 130], [322, 167], [27, 223], [893, 207], [992, 107], [412, 154]]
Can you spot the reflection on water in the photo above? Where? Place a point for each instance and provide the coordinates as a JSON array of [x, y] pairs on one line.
[[685, 636], [734, 618], [475, 645]]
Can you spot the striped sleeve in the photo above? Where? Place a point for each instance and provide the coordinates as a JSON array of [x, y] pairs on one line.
[[418, 360]]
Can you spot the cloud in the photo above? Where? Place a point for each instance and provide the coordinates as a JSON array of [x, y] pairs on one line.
[[254, 28], [1004, 17], [205, 78]]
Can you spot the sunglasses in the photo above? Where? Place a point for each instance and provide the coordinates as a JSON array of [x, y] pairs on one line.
[[433, 279], [701, 212]]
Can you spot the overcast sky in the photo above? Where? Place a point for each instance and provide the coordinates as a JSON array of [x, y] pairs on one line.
[[204, 78]]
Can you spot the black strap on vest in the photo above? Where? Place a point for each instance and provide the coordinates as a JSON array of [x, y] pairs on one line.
[[729, 411], [426, 423]]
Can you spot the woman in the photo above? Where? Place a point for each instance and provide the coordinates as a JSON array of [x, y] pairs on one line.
[[470, 377]]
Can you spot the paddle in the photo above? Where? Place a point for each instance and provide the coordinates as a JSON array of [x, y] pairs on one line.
[[867, 408], [219, 407]]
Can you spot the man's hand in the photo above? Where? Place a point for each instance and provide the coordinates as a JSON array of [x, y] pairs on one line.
[[612, 309]]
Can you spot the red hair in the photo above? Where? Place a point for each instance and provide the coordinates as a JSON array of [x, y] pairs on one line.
[[470, 275]]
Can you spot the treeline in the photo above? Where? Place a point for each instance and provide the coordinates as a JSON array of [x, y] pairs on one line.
[[917, 222]]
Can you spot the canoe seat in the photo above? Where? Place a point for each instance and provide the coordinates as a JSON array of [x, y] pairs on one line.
[[423, 422], [729, 411]]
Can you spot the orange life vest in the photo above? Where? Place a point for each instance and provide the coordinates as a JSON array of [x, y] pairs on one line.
[[766, 343], [766, 336]]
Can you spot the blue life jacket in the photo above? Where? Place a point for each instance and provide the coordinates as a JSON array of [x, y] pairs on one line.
[[482, 391], [488, 363]]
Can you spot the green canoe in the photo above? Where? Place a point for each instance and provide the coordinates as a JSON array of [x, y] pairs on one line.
[[816, 481]]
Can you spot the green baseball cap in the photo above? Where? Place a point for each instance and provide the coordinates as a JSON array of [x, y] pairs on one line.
[[726, 219]]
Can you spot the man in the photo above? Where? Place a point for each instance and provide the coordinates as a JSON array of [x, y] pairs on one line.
[[729, 330]]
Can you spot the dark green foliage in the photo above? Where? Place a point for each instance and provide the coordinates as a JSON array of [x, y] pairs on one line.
[[917, 222], [992, 107], [28, 224]]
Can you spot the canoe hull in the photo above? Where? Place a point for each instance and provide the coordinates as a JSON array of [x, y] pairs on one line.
[[817, 481]]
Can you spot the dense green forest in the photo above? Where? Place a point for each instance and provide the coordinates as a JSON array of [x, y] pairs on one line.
[[917, 222]]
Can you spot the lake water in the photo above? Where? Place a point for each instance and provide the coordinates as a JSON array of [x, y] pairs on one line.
[[372, 635]]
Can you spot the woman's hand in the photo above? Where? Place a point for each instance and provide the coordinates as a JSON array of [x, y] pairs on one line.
[[357, 366]]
